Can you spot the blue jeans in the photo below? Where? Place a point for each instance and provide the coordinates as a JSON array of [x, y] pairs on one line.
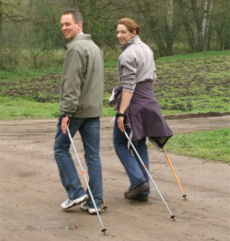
[[131, 163], [89, 129]]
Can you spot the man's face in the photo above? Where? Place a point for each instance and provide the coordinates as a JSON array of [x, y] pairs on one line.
[[69, 27]]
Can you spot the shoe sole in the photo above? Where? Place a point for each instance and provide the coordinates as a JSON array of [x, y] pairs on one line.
[[141, 198], [93, 211], [85, 209], [137, 191], [100, 210], [77, 203]]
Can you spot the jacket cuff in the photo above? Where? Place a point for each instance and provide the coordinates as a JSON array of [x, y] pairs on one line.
[[66, 114]]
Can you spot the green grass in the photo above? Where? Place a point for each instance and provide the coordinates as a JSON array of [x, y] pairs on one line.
[[110, 63], [17, 107], [108, 111], [15, 75], [194, 85], [111, 58], [196, 55], [204, 104], [186, 83], [208, 145]]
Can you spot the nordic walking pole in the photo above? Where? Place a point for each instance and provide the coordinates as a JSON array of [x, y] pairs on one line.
[[174, 174], [103, 229], [172, 216]]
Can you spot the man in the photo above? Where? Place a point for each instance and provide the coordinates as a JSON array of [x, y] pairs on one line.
[[81, 95]]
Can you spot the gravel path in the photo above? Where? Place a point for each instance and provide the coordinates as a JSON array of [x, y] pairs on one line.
[[30, 191]]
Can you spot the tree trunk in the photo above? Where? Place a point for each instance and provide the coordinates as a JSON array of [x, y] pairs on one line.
[[195, 11], [186, 20], [204, 24], [169, 32], [170, 14], [1, 26], [208, 33]]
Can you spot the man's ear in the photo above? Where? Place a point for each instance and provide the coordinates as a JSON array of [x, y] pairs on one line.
[[79, 24]]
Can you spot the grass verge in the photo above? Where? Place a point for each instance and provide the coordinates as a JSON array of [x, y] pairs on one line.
[[208, 145], [19, 108]]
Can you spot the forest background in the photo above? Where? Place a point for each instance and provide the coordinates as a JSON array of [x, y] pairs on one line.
[[30, 30]]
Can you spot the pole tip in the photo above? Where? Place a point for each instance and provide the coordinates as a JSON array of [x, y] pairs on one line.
[[104, 230], [185, 197], [173, 217]]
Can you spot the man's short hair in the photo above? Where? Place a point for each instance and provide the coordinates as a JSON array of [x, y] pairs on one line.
[[75, 13]]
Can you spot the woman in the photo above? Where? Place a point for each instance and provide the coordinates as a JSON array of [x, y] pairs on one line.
[[138, 111]]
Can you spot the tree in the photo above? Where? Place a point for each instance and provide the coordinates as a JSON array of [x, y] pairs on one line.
[[159, 23], [8, 13], [196, 16], [205, 23], [98, 20], [1, 27], [220, 24], [5, 14]]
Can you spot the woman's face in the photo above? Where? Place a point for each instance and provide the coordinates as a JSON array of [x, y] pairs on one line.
[[123, 34]]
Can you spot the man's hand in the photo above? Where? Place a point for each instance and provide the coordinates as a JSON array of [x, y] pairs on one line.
[[64, 124], [120, 123]]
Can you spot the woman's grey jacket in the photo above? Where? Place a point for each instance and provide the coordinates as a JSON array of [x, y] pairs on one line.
[[136, 64]]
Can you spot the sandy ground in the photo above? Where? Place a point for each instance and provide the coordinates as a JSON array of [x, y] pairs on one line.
[[30, 191]]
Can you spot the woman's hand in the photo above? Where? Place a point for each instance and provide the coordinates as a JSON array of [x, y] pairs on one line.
[[120, 123], [125, 101]]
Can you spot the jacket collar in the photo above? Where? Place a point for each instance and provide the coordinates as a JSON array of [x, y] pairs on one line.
[[135, 39], [80, 36]]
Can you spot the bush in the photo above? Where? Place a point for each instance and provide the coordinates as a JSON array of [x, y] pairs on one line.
[[8, 59], [30, 59]]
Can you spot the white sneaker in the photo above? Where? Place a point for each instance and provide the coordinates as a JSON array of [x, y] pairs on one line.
[[84, 206], [71, 203]]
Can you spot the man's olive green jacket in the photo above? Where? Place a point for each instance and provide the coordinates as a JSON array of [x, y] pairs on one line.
[[82, 80]]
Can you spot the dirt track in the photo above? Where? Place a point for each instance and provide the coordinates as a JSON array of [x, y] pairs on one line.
[[30, 191]]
